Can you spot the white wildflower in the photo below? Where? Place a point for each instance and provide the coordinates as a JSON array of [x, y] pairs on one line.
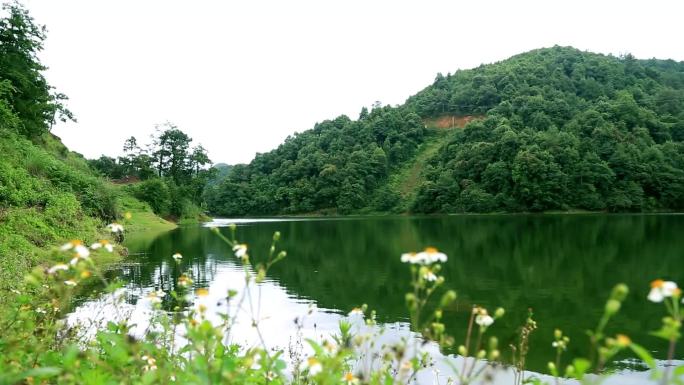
[[115, 228], [80, 252], [350, 379], [431, 255], [313, 365], [412, 258], [102, 244], [240, 250], [58, 267], [662, 289], [150, 363], [155, 296], [430, 276], [357, 311], [482, 318]]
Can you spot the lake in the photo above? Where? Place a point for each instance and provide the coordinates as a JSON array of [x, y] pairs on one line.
[[560, 266]]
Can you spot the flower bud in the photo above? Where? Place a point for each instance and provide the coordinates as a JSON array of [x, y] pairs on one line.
[[552, 367], [276, 236], [557, 334], [570, 371], [612, 306], [494, 355], [619, 292], [493, 343], [447, 298], [499, 312], [462, 350], [438, 328], [410, 300], [481, 354]]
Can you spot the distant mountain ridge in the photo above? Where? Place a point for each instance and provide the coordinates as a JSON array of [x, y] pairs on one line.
[[561, 129]]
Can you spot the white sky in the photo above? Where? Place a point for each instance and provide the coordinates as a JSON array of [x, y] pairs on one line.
[[239, 76]]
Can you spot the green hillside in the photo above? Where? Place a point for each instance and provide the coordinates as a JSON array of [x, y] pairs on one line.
[[48, 194], [557, 129]]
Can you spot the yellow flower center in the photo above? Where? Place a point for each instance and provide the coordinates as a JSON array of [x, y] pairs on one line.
[[311, 361], [623, 340], [202, 292], [75, 243], [348, 377], [658, 283], [431, 250]]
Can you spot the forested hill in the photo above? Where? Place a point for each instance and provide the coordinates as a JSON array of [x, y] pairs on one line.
[[561, 129]]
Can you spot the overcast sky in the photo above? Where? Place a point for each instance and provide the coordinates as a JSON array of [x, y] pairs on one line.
[[240, 76]]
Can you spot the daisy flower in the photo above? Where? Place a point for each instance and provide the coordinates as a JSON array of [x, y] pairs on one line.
[[58, 267], [349, 379], [411, 257], [662, 289], [313, 365], [240, 250], [356, 311], [155, 296], [103, 243], [115, 228], [431, 255], [184, 281]]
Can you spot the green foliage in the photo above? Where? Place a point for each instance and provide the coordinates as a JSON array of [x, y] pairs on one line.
[[155, 192], [338, 165], [563, 129], [173, 174], [22, 84]]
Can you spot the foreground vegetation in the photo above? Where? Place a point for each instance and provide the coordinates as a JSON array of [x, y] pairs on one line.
[[184, 346]]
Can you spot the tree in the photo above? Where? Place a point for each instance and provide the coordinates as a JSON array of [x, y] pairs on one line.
[[538, 180], [31, 98], [198, 159], [171, 155]]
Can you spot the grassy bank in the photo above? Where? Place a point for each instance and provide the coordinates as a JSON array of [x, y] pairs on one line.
[[48, 196]]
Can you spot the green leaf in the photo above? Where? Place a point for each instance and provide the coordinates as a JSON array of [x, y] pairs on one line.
[[582, 366], [643, 354], [39, 372]]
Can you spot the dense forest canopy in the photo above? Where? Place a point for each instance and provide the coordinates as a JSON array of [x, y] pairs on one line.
[[560, 129], [564, 129], [338, 163]]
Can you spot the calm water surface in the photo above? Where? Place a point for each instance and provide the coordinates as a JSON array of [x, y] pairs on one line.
[[561, 266]]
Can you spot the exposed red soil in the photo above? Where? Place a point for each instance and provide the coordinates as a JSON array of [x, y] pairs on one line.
[[451, 121]]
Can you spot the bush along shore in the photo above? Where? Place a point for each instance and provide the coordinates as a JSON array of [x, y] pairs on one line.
[[185, 346]]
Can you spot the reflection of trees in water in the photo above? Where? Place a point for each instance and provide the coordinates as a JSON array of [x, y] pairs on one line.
[[562, 266]]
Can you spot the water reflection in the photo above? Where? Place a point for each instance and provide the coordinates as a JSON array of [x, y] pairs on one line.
[[561, 266]]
